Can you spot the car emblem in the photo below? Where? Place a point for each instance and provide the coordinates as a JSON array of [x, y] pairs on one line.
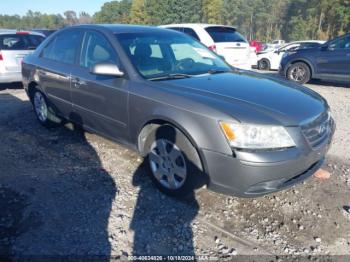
[[322, 128], [238, 44]]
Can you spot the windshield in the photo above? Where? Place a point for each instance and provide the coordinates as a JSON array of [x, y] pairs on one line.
[[221, 34], [19, 42], [161, 54]]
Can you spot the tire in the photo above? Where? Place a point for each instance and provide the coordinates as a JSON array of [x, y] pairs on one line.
[[299, 72], [42, 111], [175, 166], [264, 64]]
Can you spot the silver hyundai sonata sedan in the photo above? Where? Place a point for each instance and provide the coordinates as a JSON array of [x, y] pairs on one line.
[[194, 118]]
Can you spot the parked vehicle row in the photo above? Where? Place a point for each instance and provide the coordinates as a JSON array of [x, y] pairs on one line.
[[330, 61], [271, 59], [192, 116]]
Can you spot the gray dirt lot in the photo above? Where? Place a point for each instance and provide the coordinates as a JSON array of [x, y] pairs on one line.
[[63, 192]]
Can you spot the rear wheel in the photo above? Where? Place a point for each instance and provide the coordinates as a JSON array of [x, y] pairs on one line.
[[174, 163], [41, 108], [299, 72], [264, 64]]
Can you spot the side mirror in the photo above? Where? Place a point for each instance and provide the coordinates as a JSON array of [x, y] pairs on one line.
[[277, 52], [325, 48], [106, 69]]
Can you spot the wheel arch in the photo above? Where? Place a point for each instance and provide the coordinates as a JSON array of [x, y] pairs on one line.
[[32, 86], [158, 121]]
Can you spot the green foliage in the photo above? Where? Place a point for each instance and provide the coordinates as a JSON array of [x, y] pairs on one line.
[[32, 20], [212, 10], [174, 11], [114, 12], [264, 20], [139, 14]]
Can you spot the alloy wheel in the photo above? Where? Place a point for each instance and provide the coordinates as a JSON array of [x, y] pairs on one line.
[[298, 74], [168, 164], [40, 106]]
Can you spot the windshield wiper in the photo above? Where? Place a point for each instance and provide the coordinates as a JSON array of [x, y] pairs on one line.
[[217, 71], [170, 77]]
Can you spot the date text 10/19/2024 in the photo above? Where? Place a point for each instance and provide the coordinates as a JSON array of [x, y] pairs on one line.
[[172, 258]]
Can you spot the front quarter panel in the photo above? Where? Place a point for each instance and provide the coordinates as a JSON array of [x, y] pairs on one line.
[[148, 104]]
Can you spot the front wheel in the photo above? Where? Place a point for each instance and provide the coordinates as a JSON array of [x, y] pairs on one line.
[[175, 166], [299, 72]]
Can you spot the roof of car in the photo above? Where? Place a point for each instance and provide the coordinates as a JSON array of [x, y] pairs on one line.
[[304, 41], [13, 31], [122, 28], [196, 25]]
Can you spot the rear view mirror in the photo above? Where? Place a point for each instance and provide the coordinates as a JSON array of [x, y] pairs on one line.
[[106, 69]]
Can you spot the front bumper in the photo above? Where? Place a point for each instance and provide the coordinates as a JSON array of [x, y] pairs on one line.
[[252, 174], [10, 77], [282, 70]]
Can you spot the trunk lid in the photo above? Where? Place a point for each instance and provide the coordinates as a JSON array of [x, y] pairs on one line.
[[12, 60]]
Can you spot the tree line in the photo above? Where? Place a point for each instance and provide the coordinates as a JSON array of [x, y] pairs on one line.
[[264, 20]]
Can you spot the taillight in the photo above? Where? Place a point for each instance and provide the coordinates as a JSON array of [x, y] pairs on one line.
[[1, 58], [212, 48], [22, 33]]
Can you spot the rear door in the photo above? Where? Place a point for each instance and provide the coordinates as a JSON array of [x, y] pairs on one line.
[[14, 47], [334, 61], [99, 102], [57, 60], [230, 44]]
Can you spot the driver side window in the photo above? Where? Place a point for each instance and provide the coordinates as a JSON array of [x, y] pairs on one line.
[[96, 49], [340, 44]]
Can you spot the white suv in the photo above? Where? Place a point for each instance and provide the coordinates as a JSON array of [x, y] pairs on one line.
[[224, 40], [14, 45]]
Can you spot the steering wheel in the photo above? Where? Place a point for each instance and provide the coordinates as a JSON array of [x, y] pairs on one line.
[[184, 64]]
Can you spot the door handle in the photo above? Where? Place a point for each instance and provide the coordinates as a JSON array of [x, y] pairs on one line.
[[77, 82]]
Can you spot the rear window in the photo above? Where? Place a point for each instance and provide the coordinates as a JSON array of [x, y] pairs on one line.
[[191, 32], [20, 42], [225, 34]]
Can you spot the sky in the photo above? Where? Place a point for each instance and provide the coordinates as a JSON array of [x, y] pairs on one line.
[[20, 7]]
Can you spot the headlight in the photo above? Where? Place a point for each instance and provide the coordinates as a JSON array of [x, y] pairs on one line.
[[247, 136]]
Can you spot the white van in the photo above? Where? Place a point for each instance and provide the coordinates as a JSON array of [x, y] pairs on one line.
[[224, 40]]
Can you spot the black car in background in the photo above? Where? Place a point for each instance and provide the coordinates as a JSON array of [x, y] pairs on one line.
[[330, 61]]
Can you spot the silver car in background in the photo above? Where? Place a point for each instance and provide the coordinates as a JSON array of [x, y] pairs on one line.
[[14, 46]]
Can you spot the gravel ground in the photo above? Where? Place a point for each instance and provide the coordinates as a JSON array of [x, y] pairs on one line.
[[66, 192]]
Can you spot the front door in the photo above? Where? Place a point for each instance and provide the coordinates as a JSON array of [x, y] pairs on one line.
[[99, 102], [334, 61]]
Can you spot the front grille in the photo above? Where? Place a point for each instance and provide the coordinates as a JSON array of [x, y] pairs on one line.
[[318, 131]]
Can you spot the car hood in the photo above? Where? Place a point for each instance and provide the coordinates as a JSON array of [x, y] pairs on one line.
[[285, 102]]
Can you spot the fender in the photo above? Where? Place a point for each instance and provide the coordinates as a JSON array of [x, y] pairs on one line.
[[196, 131]]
